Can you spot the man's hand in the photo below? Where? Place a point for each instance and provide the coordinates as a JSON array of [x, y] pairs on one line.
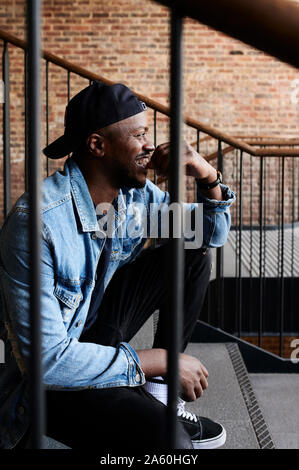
[[195, 165], [193, 374]]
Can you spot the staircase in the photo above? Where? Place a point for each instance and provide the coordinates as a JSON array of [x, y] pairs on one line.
[[258, 411]]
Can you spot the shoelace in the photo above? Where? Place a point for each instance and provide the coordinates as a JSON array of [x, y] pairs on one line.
[[185, 414]]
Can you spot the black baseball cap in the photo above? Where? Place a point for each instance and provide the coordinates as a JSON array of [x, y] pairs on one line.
[[93, 108]]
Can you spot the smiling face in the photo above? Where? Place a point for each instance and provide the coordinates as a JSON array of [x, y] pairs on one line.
[[127, 151]]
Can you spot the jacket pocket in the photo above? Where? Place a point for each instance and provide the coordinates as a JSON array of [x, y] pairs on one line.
[[70, 298]]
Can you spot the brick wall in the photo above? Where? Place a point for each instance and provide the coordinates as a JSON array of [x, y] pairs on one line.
[[227, 84], [272, 344]]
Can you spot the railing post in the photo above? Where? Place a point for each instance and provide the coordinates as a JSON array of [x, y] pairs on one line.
[[176, 253], [236, 172], [68, 86], [197, 150], [251, 322], [155, 141], [261, 314], [6, 130], [240, 246], [47, 114], [26, 117], [219, 258], [36, 376], [292, 303], [197, 140], [281, 323]]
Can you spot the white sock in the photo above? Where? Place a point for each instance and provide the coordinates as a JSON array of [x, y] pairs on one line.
[[158, 388]]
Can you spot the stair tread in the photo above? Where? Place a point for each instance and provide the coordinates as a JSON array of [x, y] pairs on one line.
[[277, 395], [223, 400]]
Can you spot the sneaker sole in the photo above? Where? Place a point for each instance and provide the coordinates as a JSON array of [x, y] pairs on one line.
[[213, 443]]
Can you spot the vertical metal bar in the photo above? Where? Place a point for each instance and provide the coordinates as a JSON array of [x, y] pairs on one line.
[[34, 57], [154, 242], [197, 140], [282, 262], [265, 216], [208, 294], [47, 113], [292, 296], [176, 258], [240, 246], [197, 150], [278, 216], [236, 216], [68, 85], [261, 254], [264, 234], [251, 247], [219, 258], [155, 141], [26, 116], [278, 292], [236, 243], [6, 131]]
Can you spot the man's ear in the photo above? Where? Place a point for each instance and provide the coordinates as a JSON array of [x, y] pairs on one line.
[[95, 145]]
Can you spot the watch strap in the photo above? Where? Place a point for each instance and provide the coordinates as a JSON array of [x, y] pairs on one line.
[[212, 185]]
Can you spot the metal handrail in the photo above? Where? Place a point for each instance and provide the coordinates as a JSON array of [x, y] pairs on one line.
[[261, 152], [276, 152], [258, 140], [269, 141]]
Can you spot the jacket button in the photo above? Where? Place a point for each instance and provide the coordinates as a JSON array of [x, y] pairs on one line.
[[79, 323], [21, 410], [94, 236], [137, 378]]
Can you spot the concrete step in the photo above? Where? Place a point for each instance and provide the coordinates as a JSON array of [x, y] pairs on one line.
[[278, 396], [229, 398]]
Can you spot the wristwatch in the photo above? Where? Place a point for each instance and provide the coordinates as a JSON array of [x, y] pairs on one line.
[[210, 185]]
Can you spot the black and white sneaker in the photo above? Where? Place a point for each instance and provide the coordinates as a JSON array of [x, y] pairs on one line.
[[204, 433]]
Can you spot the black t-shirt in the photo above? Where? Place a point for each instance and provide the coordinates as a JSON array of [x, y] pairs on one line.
[[98, 292]]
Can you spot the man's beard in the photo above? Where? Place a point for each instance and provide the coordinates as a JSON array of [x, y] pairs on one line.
[[124, 178]]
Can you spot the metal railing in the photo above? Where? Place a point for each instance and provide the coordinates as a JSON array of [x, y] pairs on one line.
[[34, 189], [243, 148], [176, 252], [253, 291]]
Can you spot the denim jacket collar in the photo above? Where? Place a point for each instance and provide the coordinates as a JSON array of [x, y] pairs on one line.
[[82, 197], [83, 200]]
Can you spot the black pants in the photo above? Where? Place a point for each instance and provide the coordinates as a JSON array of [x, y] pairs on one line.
[[128, 417]]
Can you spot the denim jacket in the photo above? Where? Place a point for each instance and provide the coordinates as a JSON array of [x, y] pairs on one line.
[[71, 247]]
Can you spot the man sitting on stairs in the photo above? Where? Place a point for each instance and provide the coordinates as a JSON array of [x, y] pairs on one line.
[[99, 286]]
